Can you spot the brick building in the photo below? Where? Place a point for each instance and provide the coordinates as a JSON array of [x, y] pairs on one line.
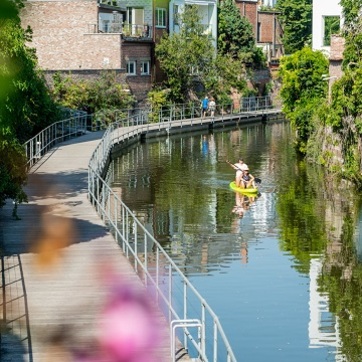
[[336, 56], [269, 34], [266, 27], [249, 9], [84, 37]]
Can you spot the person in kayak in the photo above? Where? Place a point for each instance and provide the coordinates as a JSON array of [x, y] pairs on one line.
[[247, 180]]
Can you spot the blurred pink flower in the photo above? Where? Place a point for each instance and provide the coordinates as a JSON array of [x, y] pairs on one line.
[[127, 327]]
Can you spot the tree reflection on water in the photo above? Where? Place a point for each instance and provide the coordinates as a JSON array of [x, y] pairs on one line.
[[207, 228]]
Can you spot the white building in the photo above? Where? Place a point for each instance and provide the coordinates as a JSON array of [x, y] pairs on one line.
[[322, 9], [207, 10], [271, 3]]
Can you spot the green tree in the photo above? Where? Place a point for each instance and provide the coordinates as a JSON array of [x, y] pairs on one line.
[[302, 90], [343, 116], [235, 32], [226, 74], [25, 103], [28, 106], [101, 96], [296, 20], [352, 32], [186, 56]]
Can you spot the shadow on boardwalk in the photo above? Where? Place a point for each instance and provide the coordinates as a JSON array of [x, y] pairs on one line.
[[64, 278]]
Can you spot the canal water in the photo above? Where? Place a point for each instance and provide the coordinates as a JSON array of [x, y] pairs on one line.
[[282, 270]]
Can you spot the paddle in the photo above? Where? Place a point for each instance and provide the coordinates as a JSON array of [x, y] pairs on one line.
[[256, 179]]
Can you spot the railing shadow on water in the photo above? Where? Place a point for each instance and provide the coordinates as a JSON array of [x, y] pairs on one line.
[[185, 309]]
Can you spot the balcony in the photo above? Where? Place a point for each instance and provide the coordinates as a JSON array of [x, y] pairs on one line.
[[137, 31], [113, 3], [134, 31]]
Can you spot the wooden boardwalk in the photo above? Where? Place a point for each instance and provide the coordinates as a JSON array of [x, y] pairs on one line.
[[61, 264]]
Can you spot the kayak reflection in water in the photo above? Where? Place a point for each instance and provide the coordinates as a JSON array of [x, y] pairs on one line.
[[242, 204]]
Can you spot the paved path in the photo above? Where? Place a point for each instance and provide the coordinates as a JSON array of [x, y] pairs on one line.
[[62, 258]]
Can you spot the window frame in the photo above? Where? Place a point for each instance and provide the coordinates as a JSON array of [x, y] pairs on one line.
[[129, 62], [328, 21], [163, 12], [143, 62], [176, 14]]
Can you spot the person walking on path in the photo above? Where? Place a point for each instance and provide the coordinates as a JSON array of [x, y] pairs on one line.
[[212, 107], [205, 106]]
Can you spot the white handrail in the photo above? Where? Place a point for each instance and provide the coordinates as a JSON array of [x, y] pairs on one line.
[[167, 280]]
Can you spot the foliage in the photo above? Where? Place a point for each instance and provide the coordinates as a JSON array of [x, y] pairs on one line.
[[25, 103], [296, 20], [351, 12], [12, 171], [352, 32], [101, 97], [302, 227], [344, 114], [226, 73], [266, 8], [302, 90], [157, 98], [28, 107], [186, 56], [235, 33], [342, 280], [235, 36]]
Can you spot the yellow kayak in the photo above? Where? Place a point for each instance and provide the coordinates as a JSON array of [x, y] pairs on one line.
[[244, 191]]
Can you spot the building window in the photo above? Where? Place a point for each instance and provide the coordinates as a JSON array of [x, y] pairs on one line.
[[176, 14], [258, 32], [135, 16], [161, 17], [131, 67], [145, 67], [331, 26]]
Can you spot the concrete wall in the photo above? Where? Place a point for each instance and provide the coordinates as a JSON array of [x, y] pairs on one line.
[[62, 37]]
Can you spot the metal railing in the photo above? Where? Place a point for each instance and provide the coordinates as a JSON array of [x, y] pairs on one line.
[[176, 296], [127, 30], [36, 147], [249, 104], [191, 110], [137, 30], [80, 123]]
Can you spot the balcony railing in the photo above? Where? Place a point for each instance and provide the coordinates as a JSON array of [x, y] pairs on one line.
[[127, 30], [117, 3], [137, 30]]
